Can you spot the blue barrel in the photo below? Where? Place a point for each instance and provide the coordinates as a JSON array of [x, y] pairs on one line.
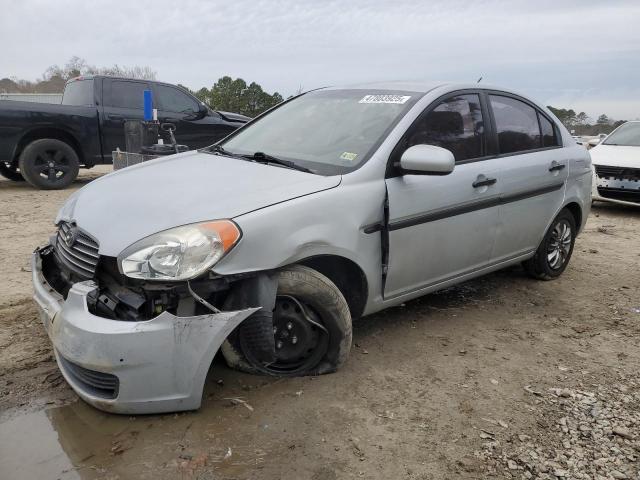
[[148, 105]]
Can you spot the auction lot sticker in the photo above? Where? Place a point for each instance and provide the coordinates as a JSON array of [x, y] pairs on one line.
[[385, 99]]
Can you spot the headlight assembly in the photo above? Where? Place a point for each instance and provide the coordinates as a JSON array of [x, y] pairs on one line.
[[180, 253]]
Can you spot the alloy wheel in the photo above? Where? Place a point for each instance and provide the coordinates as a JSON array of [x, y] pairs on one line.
[[559, 245], [52, 165]]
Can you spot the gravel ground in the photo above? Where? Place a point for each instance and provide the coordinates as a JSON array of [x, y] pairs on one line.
[[501, 377]]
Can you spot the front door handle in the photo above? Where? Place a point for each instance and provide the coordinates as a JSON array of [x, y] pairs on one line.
[[483, 181], [555, 166]]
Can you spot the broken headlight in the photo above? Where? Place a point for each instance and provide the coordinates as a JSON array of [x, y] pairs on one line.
[[180, 253]]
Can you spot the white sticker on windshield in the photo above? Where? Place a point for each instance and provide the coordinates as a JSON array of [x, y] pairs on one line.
[[348, 156], [385, 99]]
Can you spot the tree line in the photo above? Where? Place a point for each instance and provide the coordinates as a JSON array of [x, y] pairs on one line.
[[227, 94], [235, 95], [582, 124], [54, 77]]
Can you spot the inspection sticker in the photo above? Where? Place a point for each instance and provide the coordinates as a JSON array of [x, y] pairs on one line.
[[348, 156], [385, 99]]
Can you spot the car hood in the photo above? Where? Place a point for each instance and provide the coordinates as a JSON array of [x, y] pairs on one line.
[[130, 204], [615, 156]]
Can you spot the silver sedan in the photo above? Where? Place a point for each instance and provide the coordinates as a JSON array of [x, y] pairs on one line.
[[331, 206]]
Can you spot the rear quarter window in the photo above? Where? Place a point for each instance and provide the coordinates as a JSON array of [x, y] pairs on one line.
[[549, 135], [78, 93]]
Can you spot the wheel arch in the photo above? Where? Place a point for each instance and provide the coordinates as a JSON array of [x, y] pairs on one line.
[[48, 132], [575, 210], [346, 275]]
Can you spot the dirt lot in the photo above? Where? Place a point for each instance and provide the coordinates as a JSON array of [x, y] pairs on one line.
[[502, 377]]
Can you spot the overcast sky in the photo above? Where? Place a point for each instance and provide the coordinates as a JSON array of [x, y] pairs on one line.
[[579, 54]]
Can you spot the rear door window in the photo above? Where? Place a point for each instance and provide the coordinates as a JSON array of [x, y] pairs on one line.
[[516, 124], [127, 94], [455, 124]]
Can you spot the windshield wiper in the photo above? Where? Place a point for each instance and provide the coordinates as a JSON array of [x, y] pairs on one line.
[[219, 149], [262, 157]]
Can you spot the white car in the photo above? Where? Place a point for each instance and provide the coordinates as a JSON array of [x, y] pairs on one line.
[[616, 166]]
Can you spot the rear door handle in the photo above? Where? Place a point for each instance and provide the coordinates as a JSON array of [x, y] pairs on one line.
[[555, 166], [483, 181], [115, 118]]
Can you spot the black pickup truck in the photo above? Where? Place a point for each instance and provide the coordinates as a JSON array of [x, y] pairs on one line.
[[46, 144]]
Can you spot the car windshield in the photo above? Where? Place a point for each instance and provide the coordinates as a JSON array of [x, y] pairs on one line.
[[328, 131], [626, 135]]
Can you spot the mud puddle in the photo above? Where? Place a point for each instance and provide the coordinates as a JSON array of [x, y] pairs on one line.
[[79, 442]]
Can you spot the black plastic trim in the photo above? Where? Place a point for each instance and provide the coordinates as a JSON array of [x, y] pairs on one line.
[[372, 227], [473, 206]]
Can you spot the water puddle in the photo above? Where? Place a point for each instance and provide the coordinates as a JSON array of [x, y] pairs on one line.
[[224, 438]]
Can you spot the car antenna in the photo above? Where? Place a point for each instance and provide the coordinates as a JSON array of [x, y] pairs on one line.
[[479, 80]]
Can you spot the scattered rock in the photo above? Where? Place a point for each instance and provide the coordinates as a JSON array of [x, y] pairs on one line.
[[587, 433], [527, 388], [239, 401], [622, 432], [486, 434]]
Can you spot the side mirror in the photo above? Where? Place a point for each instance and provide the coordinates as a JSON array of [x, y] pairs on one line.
[[427, 160], [202, 112], [594, 141]]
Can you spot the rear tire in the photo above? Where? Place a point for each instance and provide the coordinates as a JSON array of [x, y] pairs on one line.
[[312, 328], [553, 254], [9, 170], [49, 164]]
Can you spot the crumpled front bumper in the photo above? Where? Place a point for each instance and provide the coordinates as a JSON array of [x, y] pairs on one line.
[[153, 366]]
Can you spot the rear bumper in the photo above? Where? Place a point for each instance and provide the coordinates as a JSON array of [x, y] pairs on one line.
[[622, 192], [153, 366]]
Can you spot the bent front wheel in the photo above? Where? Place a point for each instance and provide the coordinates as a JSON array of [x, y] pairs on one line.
[[311, 328]]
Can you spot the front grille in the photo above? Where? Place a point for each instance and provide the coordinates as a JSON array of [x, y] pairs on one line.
[[99, 384], [621, 173], [76, 250], [624, 194]]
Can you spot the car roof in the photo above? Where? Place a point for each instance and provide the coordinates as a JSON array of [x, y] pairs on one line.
[[418, 87], [117, 77], [424, 87]]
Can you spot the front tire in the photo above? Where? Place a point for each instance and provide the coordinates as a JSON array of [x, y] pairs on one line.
[[312, 328], [49, 164], [553, 254], [9, 170]]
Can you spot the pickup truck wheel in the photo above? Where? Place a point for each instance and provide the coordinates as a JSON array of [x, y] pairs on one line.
[[9, 170], [49, 164], [311, 328], [554, 252]]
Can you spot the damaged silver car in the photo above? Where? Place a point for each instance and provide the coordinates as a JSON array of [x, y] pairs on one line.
[[333, 205]]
